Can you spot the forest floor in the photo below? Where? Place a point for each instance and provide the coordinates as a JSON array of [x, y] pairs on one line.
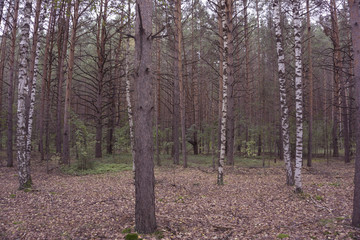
[[254, 203]]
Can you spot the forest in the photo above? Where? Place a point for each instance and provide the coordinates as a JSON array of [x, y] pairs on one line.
[[179, 119]]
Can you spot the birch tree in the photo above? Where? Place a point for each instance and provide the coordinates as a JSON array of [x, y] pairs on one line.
[[23, 92], [298, 95], [282, 88], [34, 70], [220, 179], [311, 84], [128, 88], [145, 221], [355, 30]]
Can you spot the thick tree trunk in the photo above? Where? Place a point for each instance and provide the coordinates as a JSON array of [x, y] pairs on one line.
[[10, 130], [311, 84], [145, 221], [355, 30], [298, 95], [225, 27], [65, 155], [282, 87], [158, 99], [23, 92]]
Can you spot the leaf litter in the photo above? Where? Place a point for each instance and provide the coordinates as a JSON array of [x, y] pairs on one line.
[[254, 203]]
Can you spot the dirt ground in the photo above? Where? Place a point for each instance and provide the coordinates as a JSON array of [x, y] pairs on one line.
[[254, 203]]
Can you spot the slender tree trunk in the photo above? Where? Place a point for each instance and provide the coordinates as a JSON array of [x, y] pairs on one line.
[[221, 72], [230, 123], [178, 43], [355, 30], [128, 96], [298, 95], [145, 221], [282, 86], [195, 81], [44, 90], [10, 131], [65, 156], [2, 3], [345, 120], [248, 94], [34, 69], [23, 92], [225, 27], [311, 84], [2, 68], [337, 71], [62, 49]]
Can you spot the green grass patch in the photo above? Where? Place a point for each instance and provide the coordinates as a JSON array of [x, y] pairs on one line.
[[282, 236], [97, 168]]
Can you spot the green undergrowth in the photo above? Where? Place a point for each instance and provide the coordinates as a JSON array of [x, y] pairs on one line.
[[97, 167]]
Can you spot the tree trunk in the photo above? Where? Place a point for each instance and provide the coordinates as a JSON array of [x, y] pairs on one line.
[[2, 68], [311, 84], [337, 72], [195, 81], [298, 95], [128, 96], [225, 27], [230, 123], [2, 3], [23, 92], [178, 44], [355, 30], [62, 49], [65, 156], [282, 87], [44, 90], [10, 134], [158, 98], [145, 221]]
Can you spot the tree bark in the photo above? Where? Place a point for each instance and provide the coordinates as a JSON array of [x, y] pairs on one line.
[[10, 130], [128, 90], [23, 92], [311, 84], [145, 221], [44, 89], [225, 27], [337, 65], [298, 95], [178, 44], [65, 155], [282, 87], [355, 30], [2, 68]]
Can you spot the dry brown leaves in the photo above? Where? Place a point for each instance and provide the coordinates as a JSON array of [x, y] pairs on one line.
[[253, 204]]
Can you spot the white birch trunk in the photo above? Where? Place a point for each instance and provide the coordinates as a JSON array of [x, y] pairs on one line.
[[23, 91], [282, 88], [220, 180], [298, 95], [33, 88], [128, 96]]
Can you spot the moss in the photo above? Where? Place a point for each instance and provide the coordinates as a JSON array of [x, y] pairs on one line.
[[126, 230], [159, 234], [132, 236], [319, 198], [12, 195], [282, 236]]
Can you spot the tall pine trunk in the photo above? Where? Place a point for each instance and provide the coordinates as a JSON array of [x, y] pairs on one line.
[[145, 221], [65, 154], [311, 84], [355, 30], [282, 87], [10, 131]]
